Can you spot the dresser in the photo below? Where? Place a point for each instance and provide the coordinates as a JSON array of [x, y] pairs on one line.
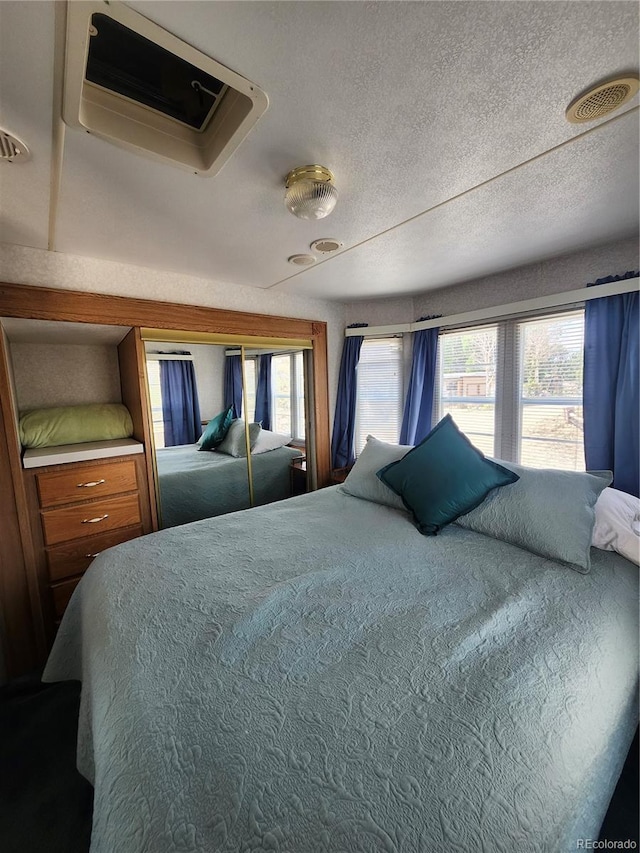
[[77, 510]]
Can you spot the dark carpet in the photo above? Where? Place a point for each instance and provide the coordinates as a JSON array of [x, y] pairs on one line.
[[45, 805]]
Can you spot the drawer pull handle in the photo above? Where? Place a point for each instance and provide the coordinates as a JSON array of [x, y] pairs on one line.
[[91, 556], [91, 485], [95, 520]]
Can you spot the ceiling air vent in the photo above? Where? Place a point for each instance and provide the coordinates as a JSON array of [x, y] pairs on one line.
[[599, 101], [135, 84], [12, 149]]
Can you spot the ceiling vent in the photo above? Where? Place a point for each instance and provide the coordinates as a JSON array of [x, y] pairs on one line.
[[12, 149], [135, 84], [302, 260], [326, 245], [601, 100]]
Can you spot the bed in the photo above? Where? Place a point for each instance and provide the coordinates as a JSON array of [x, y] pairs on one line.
[[315, 675], [194, 485]]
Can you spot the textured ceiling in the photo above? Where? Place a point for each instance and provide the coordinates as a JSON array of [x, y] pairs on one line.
[[418, 108]]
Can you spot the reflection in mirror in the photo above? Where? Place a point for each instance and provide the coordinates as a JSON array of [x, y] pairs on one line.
[[199, 394], [196, 401]]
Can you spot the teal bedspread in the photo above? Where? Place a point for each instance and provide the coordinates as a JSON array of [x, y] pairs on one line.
[[198, 484], [315, 676]]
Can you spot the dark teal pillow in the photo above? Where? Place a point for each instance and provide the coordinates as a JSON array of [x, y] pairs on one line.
[[443, 477], [216, 430]]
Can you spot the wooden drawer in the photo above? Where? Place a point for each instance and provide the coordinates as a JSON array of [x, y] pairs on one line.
[[84, 520], [73, 559], [61, 593], [86, 483]]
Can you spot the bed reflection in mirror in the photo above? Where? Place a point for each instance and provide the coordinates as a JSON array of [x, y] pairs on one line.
[[199, 395]]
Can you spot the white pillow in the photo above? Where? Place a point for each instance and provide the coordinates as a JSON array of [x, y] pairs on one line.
[[234, 443], [362, 481], [617, 526], [268, 440]]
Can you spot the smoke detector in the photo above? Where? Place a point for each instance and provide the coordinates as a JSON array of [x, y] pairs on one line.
[[601, 100], [12, 149], [134, 84]]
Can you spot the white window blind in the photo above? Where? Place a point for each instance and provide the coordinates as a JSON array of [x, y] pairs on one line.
[[155, 395], [250, 377], [379, 397], [515, 388], [466, 384], [287, 394], [550, 391]]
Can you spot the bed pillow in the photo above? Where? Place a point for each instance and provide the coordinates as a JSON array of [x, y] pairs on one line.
[[75, 424], [548, 512], [216, 430], [362, 482], [617, 525], [268, 440], [234, 443], [443, 477]]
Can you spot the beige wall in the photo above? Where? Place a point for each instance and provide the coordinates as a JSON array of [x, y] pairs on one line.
[[64, 375], [567, 272]]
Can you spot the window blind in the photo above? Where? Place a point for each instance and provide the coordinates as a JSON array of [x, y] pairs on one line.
[[550, 392], [379, 395], [466, 383], [155, 395]]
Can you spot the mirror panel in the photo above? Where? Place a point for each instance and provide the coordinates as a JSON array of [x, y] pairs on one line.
[[195, 483]]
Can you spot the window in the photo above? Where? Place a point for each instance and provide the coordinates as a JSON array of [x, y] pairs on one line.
[[515, 388], [467, 383], [379, 396], [550, 404], [251, 379], [287, 394], [155, 395]]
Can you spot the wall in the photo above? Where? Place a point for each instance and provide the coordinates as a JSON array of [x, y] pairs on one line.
[[23, 265], [64, 374], [567, 272], [208, 363]]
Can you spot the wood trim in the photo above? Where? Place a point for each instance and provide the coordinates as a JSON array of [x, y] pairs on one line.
[[133, 385], [22, 618], [321, 405], [43, 303]]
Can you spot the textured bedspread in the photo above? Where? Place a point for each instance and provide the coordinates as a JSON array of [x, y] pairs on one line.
[[315, 675], [196, 485]]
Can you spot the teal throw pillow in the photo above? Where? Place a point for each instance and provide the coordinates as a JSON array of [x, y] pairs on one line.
[[443, 477], [216, 430]]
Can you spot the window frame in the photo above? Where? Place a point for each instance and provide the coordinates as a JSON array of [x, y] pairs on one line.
[[401, 395], [509, 377]]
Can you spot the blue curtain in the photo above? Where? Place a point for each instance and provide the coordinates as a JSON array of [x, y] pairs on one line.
[[344, 419], [263, 392], [233, 384], [611, 398], [418, 405], [180, 407]]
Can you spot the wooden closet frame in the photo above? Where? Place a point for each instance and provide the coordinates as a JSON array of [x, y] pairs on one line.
[[21, 619]]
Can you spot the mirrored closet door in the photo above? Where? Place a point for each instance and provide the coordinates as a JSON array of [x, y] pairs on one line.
[[230, 423]]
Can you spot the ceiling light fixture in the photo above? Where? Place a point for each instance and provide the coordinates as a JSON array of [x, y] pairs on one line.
[[310, 192]]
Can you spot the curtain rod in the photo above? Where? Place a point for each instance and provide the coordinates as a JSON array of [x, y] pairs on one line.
[[500, 312]]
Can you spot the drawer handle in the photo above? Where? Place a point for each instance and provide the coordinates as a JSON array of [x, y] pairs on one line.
[[91, 556], [91, 485], [95, 520]]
